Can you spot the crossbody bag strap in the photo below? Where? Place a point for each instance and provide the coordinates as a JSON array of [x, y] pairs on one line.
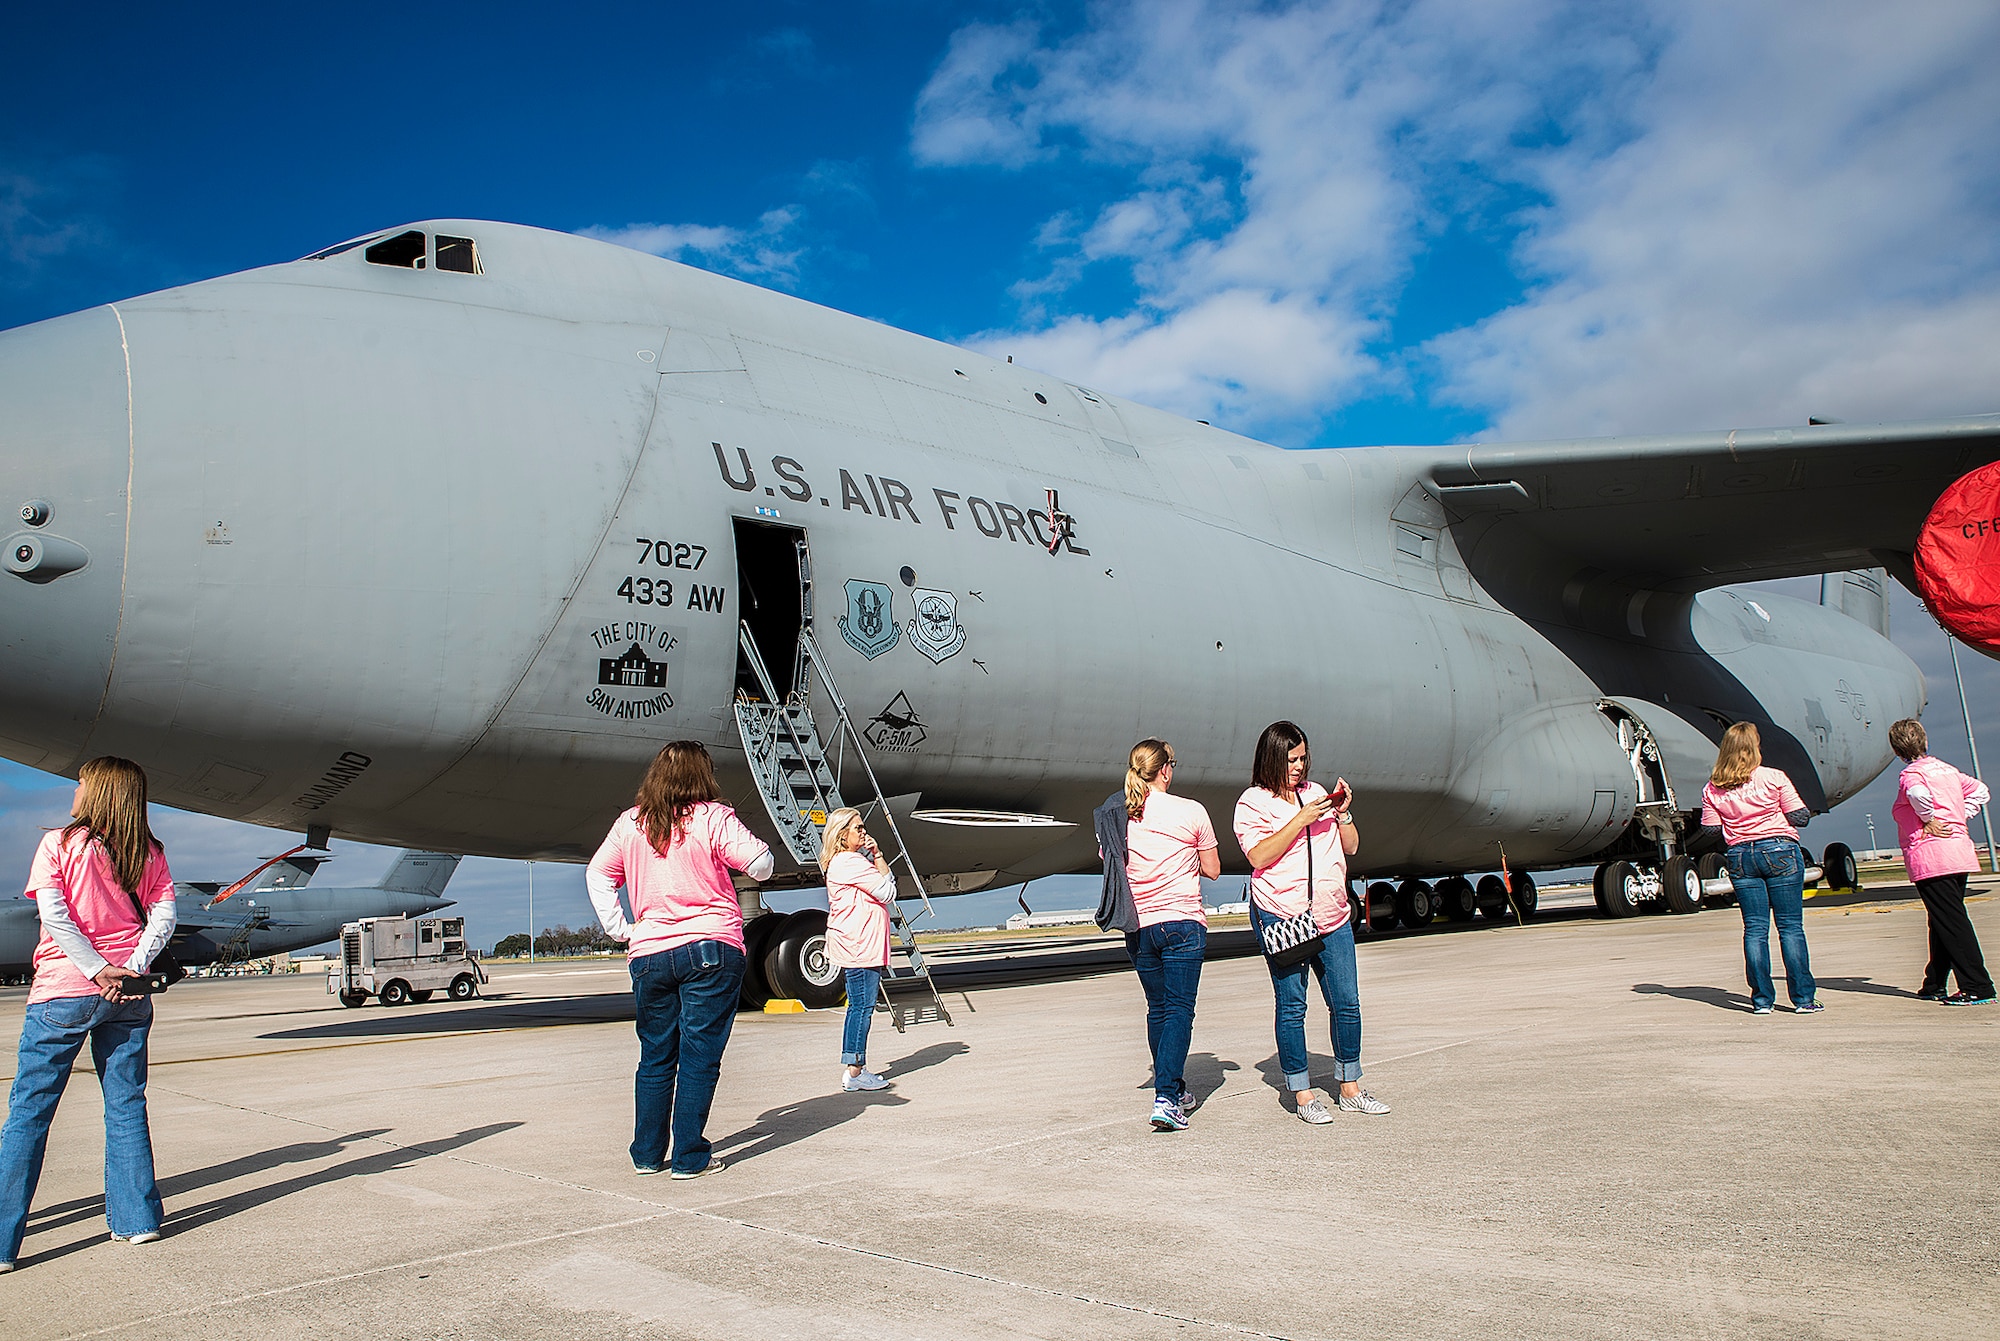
[[1308, 835]]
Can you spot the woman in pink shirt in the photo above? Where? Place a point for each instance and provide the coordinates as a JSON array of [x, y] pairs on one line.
[[1760, 815], [859, 886], [673, 852], [1298, 837], [1169, 847], [1934, 803], [107, 908]]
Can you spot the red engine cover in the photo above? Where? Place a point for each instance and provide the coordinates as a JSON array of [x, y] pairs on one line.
[[1958, 558]]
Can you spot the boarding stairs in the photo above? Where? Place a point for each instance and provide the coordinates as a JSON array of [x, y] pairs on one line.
[[801, 786], [236, 950]]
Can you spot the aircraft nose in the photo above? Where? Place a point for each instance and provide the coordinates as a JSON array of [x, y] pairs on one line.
[[65, 443]]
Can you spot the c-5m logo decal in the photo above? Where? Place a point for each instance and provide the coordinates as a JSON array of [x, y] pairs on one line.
[[936, 631], [896, 728], [870, 622]]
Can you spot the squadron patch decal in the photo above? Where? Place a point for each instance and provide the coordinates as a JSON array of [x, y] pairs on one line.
[[870, 622], [936, 631]]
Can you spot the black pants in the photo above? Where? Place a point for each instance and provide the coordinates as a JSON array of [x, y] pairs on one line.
[[1954, 945]]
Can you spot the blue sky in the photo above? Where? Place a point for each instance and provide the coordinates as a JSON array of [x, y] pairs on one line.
[[1321, 224]]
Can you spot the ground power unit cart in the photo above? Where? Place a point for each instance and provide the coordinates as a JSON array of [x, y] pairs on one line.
[[403, 959]]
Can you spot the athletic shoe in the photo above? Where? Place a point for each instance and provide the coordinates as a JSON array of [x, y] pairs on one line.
[[1167, 1116], [1967, 999], [1760, 1010], [867, 1080], [6, 1267], [647, 1170], [713, 1166], [1315, 1113], [1189, 1100], [1361, 1101], [1810, 1008], [1932, 994], [149, 1236]]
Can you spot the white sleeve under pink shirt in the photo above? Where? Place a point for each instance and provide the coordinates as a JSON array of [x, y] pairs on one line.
[[683, 896], [1753, 810], [88, 920], [1163, 850]]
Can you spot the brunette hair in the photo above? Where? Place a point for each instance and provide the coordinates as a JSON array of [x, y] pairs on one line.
[[1149, 756], [680, 778], [1741, 755], [1908, 740], [1271, 771], [836, 824], [112, 809]]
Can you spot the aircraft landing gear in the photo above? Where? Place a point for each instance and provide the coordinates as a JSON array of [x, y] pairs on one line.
[[1624, 888], [796, 964], [1382, 905], [1680, 886], [1459, 898], [1492, 896]]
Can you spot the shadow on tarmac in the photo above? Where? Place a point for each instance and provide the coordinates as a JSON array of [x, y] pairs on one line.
[[1723, 998], [788, 1124], [180, 1220]]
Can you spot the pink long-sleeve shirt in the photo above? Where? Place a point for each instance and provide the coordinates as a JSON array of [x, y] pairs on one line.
[[685, 895]]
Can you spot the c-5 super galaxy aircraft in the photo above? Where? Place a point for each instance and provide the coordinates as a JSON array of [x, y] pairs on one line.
[[431, 538]]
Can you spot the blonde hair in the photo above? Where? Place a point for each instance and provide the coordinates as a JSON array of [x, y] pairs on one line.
[[836, 824], [1149, 756], [112, 809], [1741, 755]]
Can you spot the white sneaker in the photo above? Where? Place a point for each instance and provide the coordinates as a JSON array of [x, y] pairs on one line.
[[714, 1165], [150, 1236], [1314, 1111], [1361, 1101], [867, 1080]]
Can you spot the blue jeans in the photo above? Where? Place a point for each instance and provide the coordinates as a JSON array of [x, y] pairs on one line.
[[1340, 984], [52, 1033], [686, 1001], [1770, 876], [863, 984], [1168, 959]]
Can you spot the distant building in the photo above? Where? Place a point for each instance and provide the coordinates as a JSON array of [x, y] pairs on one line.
[[1072, 918]]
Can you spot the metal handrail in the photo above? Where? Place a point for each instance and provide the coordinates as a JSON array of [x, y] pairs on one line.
[[783, 713]]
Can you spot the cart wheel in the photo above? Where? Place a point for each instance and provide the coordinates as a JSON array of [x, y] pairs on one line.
[[463, 988], [423, 996], [352, 999], [395, 992]]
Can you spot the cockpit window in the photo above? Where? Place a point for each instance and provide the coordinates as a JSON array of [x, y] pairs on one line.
[[404, 249], [459, 254], [335, 250]]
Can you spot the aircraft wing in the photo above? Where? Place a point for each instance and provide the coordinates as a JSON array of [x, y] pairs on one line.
[[1691, 511]]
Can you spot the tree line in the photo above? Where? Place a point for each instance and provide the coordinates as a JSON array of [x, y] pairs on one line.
[[554, 941]]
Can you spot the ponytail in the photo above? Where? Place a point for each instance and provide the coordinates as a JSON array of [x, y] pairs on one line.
[[1149, 756]]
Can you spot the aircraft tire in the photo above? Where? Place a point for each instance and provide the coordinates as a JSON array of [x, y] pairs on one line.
[[395, 992], [757, 934], [1837, 868], [463, 987], [1382, 905], [797, 966], [1524, 894], [1460, 900], [353, 999], [1713, 867], [1357, 916], [1597, 889], [1492, 895], [423, 996], [1416, 904], [1680, 886], [1620, 882]]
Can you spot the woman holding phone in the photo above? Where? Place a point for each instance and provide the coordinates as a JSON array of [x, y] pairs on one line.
[[859, 886], [1298, 837], [106, 901]]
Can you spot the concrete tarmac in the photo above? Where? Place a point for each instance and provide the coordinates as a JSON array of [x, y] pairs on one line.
[[1592, 1137]]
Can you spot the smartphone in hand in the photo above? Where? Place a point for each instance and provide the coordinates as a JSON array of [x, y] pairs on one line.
[[1340, 795]]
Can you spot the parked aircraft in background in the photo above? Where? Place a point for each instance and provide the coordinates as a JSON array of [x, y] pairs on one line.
[[278, 913], [434, 536]]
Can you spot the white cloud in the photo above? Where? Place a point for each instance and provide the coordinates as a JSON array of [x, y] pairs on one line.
[[1741, 214], [769, 252]]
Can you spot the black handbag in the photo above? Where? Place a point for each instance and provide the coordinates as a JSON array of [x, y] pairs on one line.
[[1292, 941]]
